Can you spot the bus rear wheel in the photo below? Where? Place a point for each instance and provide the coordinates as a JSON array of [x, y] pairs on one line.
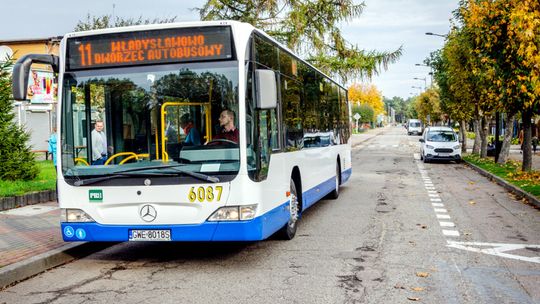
[[335, 193], [289, 230]]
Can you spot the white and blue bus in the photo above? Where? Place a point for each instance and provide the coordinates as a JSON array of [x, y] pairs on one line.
[[210, 131]]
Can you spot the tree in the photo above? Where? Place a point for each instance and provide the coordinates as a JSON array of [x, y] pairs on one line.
[[428, 106], [366, 113], [453, 67], [105, 21], [400, 107], [411, 108], [367, 94], [17, 159], [507, 37], [310, 27]]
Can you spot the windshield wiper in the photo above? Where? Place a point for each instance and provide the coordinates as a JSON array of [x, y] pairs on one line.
[[199, 176], [108, 177]]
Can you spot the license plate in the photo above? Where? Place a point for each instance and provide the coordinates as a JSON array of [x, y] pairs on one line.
[[149, 235], [444, 154]]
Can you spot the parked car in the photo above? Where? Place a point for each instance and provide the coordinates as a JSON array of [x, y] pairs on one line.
[[440, 143], [414, 126]]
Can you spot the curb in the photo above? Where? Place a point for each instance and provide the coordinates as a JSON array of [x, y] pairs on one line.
[[16, 272], [523, 194], [32, 198]]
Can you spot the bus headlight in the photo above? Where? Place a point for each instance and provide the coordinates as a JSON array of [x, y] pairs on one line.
[[75, 215], [234, 213], [247, 212]]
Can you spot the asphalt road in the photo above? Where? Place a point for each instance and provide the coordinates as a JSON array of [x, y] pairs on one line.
[[400, 232]]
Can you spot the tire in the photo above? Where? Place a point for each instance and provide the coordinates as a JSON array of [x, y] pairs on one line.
[[335, 193], [289, 230], [426, 160], [421, 156]]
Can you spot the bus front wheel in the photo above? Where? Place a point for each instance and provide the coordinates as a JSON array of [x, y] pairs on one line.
[[289, 230]]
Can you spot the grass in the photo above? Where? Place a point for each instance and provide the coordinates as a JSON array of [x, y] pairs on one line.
[[510, 172], [46, 180]]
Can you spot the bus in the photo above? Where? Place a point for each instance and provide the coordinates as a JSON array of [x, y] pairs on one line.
[[199, 131]]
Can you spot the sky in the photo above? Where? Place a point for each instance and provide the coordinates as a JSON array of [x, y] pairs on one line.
[[385, 25]]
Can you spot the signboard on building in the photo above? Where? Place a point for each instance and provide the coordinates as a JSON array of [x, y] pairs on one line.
[[42, 87]]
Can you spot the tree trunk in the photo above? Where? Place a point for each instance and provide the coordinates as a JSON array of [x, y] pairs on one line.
[[507, 140], [463, 131], [477, 137], [527, 149], [483, 134]]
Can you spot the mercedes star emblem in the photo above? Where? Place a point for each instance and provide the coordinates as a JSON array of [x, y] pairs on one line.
[[148, 213]]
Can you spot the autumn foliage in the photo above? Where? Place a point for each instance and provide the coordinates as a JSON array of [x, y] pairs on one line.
[[367, 94]]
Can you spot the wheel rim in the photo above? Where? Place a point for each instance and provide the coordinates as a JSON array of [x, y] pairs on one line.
[[293, 210]]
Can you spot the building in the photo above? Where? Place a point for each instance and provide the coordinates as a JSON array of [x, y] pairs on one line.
[[38, 113]]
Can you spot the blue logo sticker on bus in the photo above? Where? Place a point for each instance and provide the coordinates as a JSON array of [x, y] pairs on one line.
[[81, 234], [69, 232]]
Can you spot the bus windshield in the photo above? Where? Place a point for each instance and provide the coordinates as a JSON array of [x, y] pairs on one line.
[[125, 119]]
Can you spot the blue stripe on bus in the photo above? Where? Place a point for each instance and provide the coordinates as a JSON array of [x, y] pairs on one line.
[[254, 230], [314, 194], [345, 175]]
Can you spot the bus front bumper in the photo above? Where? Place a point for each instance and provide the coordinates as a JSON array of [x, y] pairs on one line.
[[256, 229]]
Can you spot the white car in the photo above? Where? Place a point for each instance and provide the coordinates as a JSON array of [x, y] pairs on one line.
[[440, 143], [414, 126]]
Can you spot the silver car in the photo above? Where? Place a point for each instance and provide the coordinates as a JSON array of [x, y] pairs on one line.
[[440, 143]]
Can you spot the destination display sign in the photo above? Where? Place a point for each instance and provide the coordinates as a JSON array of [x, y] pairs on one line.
[[149, 47]]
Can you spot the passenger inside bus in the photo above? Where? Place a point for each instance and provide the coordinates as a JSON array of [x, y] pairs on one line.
[[193, 137]]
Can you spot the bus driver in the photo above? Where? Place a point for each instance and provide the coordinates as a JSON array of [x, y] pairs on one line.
[[229, 130]]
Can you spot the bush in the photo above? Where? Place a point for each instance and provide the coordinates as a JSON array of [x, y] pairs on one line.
[[17, 160]]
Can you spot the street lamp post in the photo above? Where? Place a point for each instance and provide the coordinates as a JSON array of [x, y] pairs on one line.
[[430, 72], [425, 81], [433, 34]]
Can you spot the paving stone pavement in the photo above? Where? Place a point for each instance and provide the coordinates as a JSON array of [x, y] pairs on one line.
[[29, 231]]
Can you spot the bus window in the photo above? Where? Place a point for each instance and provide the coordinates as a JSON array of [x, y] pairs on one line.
[[143, 116]]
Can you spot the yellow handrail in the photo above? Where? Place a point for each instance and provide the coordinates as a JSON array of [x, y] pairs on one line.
[[137, 157], [82, 160], [208, 111], [119, 154]]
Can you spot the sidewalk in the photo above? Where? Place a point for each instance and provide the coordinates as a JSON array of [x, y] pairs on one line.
[[31, 242], [29, 231], [356, 139]]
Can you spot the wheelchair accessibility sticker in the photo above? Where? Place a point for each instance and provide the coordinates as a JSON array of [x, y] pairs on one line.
[[69, 232]]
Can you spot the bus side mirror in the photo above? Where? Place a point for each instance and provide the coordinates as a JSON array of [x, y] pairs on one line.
[[21, 71], [266, 89]]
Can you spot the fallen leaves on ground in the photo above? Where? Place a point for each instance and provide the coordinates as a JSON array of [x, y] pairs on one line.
[[422, 274], [413, 299], [417, 289], [472, 202]]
